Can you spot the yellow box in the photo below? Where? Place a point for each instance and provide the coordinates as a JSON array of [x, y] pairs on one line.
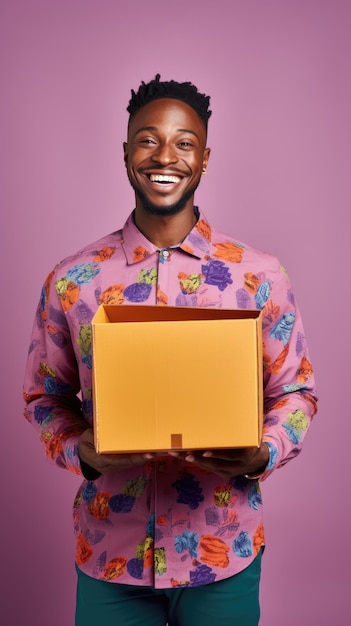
[[176, 378]]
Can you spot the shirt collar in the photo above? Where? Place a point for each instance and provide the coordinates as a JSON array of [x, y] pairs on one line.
[[136, 247]]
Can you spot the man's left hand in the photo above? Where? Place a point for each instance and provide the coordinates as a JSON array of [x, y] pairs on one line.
[[228, 462]]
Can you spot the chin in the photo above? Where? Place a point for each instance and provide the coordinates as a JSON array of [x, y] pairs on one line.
[[171, 209], [154, 209]]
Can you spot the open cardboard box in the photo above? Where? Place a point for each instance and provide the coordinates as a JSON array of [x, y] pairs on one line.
[[176, 378]]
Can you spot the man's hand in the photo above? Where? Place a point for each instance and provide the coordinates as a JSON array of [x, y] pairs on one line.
[[107, 463], [228, 462]]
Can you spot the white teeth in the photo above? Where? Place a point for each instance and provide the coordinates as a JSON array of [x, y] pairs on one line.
[[159, 178]]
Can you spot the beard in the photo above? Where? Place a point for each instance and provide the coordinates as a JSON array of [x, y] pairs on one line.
[[172, 209]]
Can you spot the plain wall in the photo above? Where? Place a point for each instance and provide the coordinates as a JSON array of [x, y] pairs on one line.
[[278, 73]]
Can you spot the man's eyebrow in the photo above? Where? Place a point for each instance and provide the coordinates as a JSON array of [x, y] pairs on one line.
[[140, 130], [187, 130], [155, 129]]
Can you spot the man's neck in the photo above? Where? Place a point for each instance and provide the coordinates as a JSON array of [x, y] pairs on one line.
[[168, 230]]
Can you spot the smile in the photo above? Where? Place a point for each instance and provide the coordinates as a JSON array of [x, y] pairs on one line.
[[161, 178]]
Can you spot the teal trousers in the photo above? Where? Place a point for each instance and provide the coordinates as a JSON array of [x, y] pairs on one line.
[[230, 602]]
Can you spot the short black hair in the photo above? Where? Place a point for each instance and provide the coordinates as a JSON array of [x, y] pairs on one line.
[[156, 89]]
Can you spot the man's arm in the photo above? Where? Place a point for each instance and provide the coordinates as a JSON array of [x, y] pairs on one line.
[[289, 393], [52, 385], [51, 391]]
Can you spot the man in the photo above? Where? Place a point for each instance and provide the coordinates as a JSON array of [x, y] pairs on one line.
[[176, 538]]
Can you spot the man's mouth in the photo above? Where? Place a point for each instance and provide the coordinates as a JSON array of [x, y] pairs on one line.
[[164, 178]]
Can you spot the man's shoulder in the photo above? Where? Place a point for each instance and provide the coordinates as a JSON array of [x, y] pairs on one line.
[[92, 253], [232, 249]]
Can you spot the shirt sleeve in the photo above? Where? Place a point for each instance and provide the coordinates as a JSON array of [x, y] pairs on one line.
[[289, 385], [51, 384]]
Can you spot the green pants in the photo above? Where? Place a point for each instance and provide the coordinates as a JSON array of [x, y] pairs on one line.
[[233, 601]]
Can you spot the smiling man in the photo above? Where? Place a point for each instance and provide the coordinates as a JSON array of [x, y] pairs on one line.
[[175, 538], [165, 156]]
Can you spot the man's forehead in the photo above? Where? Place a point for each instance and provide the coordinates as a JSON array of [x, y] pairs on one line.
[[157, 110]]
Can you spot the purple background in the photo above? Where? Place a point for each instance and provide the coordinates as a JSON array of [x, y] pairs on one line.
[[278, 73]]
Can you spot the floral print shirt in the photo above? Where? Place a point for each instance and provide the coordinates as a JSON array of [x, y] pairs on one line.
[[168, 523]]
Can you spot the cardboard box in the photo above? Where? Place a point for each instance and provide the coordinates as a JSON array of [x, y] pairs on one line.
[[176, 378]]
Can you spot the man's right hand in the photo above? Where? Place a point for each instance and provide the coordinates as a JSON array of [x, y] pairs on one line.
[[107, 463]]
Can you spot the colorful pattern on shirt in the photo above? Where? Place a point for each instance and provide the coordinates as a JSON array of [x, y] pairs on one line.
[[168, 523]]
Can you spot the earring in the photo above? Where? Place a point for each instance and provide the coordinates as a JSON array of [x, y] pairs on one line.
[[203, 170]]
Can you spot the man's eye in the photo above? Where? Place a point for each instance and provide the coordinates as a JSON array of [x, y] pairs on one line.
[[185, 144]]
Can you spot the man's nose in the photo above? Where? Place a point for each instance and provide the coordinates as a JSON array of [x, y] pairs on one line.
[[165, 153]]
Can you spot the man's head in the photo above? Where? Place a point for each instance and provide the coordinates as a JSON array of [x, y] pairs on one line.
[[166, 151]]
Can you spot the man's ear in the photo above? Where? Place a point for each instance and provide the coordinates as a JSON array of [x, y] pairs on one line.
[[125, 152], [206, 157]]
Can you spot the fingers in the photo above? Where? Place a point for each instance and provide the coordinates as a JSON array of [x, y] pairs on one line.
[[227, 462], [223, 468], [225, 454], [107, 463], [224, 465]]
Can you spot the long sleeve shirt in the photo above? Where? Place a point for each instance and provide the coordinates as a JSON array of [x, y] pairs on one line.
[[167, 523]]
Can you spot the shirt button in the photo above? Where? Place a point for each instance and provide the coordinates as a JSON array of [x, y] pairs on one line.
[[165, 253]]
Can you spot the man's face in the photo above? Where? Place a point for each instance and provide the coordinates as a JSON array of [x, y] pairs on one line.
[[165, 155]]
